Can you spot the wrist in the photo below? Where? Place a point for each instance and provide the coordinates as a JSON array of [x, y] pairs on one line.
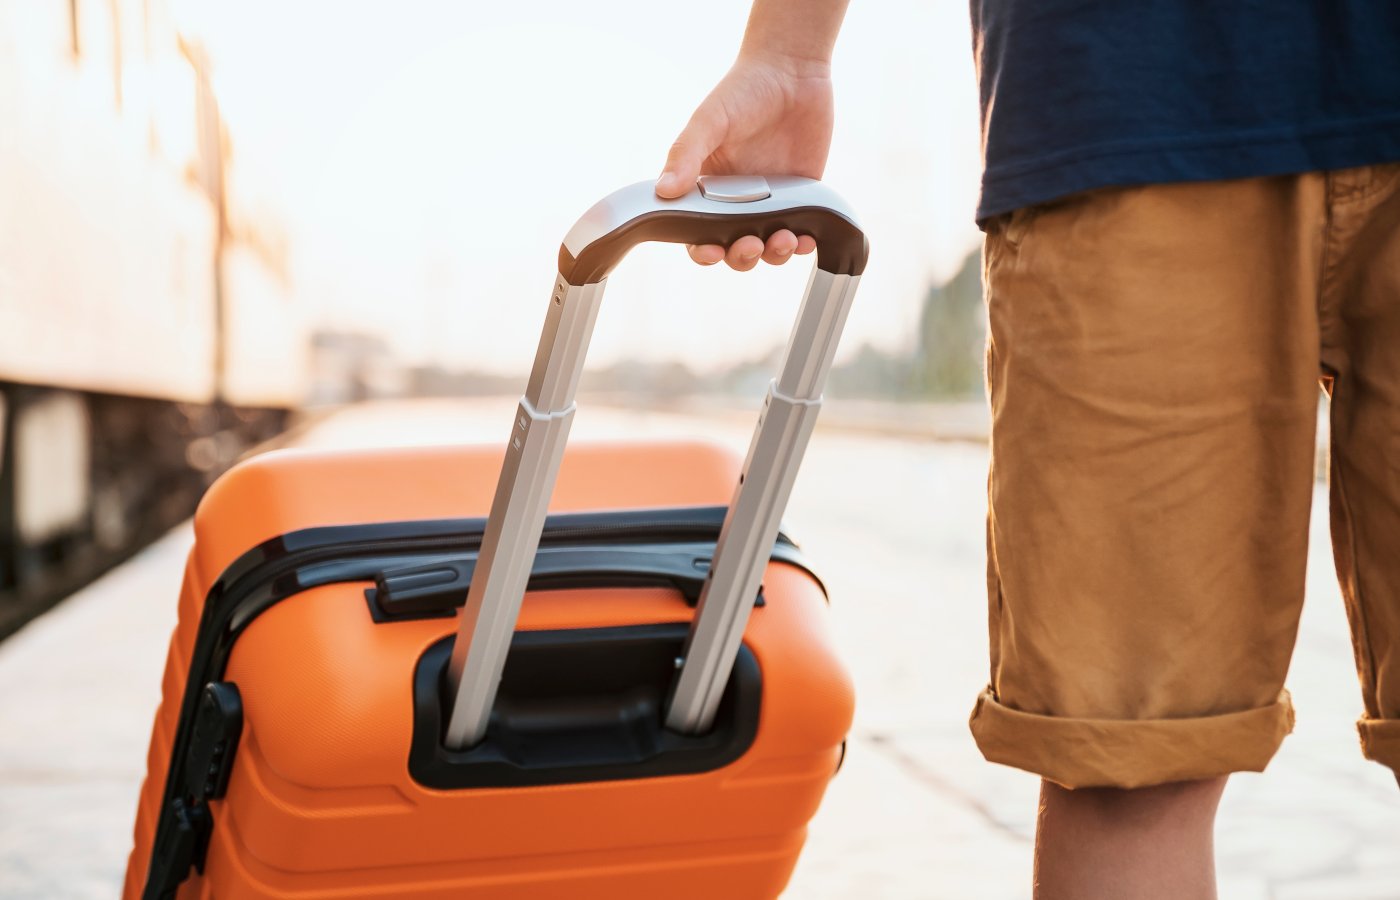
[[793, 62], [794, 36]]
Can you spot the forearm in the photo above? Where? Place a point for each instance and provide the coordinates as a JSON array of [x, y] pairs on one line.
[[802, 32]]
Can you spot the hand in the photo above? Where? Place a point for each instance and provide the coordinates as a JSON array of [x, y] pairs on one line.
[[767, 116]]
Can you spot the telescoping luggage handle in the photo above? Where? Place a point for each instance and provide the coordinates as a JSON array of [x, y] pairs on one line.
[[719, 210]]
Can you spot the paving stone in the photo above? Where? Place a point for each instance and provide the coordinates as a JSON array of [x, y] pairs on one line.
[[81, 686]]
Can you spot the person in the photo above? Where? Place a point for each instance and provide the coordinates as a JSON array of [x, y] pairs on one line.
[[1192, 215]]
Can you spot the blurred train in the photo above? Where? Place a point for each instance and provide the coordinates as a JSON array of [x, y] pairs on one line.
[[148, 334]]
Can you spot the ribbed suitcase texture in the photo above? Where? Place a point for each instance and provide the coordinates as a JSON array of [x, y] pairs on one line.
[[321, 801]]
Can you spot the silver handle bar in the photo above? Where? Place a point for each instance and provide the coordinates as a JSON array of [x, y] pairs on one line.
[[719, 210]]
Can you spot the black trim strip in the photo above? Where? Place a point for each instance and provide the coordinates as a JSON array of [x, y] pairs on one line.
[[284, 566], [437, 589]]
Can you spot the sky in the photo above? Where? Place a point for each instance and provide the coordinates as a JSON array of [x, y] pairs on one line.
[[426, 158]]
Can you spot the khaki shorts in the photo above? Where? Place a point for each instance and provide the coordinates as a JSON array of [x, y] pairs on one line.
[[1153, 366]]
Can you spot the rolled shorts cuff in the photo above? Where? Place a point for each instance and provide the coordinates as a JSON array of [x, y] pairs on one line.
[[1380, 741], [1136, 753]]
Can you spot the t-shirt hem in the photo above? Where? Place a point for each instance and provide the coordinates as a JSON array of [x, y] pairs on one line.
[[1227, 157]]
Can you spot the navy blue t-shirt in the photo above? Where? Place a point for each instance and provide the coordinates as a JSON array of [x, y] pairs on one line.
[[1078, 94]]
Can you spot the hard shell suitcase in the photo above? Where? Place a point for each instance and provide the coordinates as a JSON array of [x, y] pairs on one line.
[[658, 717]]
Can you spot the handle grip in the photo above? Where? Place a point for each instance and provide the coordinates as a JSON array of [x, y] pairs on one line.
[[720, 209], [442, 586]]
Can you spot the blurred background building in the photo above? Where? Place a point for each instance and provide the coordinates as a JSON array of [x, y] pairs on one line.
[[216, 216], [150, 332]]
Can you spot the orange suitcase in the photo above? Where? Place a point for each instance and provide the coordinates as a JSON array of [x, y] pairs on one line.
[[619, 683]]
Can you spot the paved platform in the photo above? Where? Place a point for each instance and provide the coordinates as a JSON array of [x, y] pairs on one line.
[[895, 527]]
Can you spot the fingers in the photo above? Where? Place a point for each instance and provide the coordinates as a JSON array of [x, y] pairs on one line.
[[701, 136], [780, 247], [706, 254], [745, 253]]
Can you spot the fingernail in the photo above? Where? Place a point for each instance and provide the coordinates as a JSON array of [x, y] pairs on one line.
[[748, 256], [665, 180]]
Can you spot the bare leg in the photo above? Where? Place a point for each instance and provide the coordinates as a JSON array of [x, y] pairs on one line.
[[1152, 843]]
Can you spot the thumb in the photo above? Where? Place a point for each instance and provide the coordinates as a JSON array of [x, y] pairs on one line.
[[688, 154]]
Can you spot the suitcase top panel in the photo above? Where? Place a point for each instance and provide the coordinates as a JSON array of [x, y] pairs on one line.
[[290, 490]]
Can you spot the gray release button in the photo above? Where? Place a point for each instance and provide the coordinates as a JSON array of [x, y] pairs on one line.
[[734, 188]]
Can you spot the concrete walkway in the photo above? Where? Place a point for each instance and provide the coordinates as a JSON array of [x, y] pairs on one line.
[[895, 528]]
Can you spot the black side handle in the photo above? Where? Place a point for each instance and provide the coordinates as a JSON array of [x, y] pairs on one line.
[[438, 589]]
